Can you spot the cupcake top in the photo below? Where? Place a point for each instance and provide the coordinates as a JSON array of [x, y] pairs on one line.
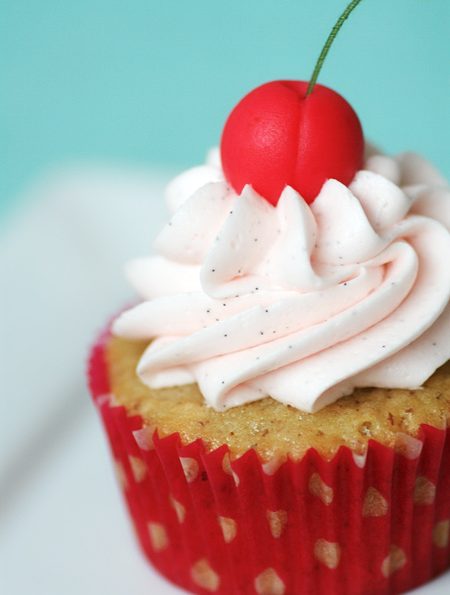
[[300, 302]]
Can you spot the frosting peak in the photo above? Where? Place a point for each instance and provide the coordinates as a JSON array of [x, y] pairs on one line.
[[302, 303]]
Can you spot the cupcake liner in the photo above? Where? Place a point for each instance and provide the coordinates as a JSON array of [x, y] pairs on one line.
[[353, 525]]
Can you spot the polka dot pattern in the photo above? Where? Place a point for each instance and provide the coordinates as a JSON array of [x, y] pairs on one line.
[[271, 467], [229, 528], [424, 491], [180, 510], [269, 583], [375, 504], [441, 533], [277, 520], [204, 576], [328, 553], [394, 561], [408, 447], [190, 468], [319, 488], [158, 536], [228, 469], [360, 459], [138, 468], [144, 438]]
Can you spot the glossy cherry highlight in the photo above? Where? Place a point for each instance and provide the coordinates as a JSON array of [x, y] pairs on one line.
[[277, 135]]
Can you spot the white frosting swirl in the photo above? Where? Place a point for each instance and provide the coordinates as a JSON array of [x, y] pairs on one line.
[[302, 303]]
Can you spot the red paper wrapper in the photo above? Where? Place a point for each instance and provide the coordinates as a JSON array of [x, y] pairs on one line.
[[354, 525]]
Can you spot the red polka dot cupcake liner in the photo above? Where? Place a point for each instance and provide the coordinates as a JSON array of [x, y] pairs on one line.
[[353, 525]]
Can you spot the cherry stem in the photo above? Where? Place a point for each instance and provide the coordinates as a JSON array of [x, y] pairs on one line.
[[331, 37]]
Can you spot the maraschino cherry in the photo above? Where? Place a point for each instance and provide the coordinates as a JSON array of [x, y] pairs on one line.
[[293, 133]]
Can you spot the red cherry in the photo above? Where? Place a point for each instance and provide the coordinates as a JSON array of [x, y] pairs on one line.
[[278, 136]]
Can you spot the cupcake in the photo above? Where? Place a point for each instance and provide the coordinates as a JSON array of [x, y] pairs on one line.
[[277, 403]]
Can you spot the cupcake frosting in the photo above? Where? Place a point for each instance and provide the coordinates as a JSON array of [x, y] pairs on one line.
[[302, 303]]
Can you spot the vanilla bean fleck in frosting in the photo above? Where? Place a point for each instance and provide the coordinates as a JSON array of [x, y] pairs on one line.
[[302, 303]]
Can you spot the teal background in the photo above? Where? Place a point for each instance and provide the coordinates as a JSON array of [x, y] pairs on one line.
[[151, 82]]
